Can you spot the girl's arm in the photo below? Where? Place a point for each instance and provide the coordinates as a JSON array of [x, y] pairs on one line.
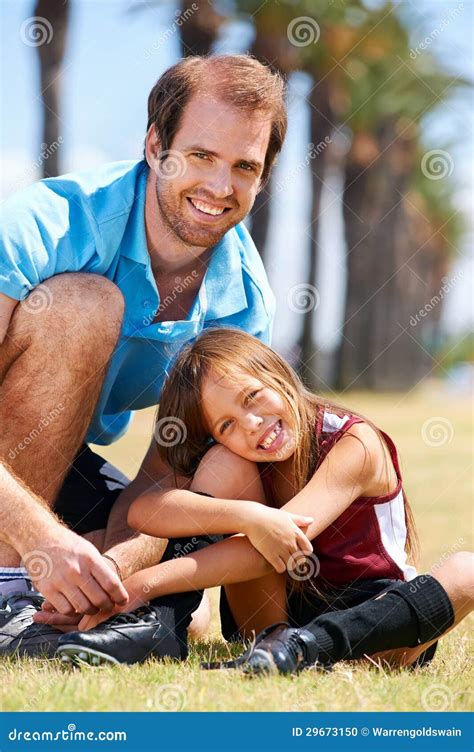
[[176, 513], [358, 465], [232, 560], [354, 467]]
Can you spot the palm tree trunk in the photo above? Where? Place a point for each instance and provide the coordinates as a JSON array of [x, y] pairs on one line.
[[378, 350], [321, 124], [54, 14], [199, 29]]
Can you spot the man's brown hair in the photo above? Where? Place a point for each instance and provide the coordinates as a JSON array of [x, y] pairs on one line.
[[238, 80]]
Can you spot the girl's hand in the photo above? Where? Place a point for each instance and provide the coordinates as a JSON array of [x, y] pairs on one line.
[[49, 615], [134, 587], [277, 535]]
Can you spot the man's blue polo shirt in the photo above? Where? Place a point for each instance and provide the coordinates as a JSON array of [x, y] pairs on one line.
[[94, 221]]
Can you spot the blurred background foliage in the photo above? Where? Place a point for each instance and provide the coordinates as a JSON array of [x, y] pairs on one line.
[[367, 96]]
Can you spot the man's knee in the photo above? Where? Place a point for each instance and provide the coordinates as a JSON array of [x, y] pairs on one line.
[[76, 305]]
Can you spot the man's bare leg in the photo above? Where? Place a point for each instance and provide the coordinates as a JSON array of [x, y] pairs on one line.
[[52, 366]]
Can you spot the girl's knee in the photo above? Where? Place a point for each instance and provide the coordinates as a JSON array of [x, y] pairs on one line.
[[223, 473], [458, 572]]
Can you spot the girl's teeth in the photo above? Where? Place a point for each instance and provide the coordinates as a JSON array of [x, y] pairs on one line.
[[271, 438]]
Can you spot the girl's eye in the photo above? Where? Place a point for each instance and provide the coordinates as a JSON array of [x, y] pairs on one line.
[[224, 426], [251, 396], [200, 155]]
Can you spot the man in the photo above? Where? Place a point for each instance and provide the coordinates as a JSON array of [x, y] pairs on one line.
[[115, 269]]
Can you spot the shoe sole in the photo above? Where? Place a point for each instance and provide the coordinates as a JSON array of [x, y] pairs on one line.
[[80, 656]]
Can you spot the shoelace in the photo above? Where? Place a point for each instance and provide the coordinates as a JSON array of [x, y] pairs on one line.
[[129, 617], [242, 659]]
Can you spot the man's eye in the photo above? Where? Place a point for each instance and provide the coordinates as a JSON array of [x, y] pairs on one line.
[[246, 166], [200, 155]]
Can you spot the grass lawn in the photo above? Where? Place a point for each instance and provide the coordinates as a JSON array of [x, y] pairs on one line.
[[433, 430]]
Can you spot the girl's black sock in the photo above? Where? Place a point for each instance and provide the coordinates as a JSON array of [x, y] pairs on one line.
[[175, 613], [408, 614]]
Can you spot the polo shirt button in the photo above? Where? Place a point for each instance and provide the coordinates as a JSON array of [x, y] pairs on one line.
[[146, 303]]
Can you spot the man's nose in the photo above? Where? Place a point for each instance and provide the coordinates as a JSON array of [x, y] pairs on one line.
[[220, 182]]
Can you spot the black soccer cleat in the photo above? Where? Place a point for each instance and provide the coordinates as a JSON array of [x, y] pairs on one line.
[[278, 649], [19, 635], [124, 638]]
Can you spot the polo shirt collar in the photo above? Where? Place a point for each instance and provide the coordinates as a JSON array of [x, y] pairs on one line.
[[137, 249], [225, 291]]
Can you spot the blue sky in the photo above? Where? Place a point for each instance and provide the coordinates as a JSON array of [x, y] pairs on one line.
[[113, 58]]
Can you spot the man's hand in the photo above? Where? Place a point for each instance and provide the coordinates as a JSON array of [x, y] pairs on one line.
[[72, 575], [277, 535], [49, 615], [136, 597]]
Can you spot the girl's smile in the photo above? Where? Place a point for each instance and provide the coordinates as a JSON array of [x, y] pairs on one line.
[[247, 417]]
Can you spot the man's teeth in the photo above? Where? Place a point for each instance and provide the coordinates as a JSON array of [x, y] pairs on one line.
[[206, 208], [271, 437]]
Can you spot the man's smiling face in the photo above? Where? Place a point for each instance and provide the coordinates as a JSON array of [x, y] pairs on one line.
[[223, 152]]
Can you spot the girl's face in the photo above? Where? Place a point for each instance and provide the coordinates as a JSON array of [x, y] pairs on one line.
[[249, 418]]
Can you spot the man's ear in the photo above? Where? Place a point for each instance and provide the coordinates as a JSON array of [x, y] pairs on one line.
[[152, 147]]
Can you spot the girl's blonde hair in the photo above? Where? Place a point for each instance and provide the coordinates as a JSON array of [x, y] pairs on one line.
[[230, 353]]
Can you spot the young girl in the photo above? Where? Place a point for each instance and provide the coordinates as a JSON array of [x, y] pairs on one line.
[[319, 534]]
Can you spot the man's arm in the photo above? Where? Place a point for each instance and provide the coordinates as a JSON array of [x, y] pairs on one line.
[[145, 550]]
